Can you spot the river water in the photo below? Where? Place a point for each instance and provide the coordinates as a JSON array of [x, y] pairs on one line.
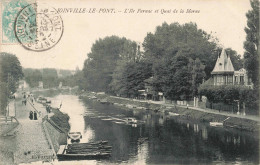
[[157, 138]]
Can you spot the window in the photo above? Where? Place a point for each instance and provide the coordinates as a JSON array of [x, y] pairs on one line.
[[230, 79], [242, 80]]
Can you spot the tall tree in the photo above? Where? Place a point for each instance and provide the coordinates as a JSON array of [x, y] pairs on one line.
[[197, 74], [251, 44], [102, 60], [129, 77], [187, 39], [235, 58], [10, 73], [10, 70]]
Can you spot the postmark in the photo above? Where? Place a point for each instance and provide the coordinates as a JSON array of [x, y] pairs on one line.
[[38, 27]]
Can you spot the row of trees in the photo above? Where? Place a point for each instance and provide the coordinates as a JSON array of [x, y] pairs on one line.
[[10, 73], [48, 76], [178, 57]]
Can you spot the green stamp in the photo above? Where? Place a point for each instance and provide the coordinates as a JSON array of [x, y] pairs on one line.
[[10, 10]]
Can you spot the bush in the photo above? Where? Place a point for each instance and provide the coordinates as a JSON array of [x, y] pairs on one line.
[[230, 93]]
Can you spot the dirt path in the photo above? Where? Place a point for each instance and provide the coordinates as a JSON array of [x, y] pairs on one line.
[[31, 143]]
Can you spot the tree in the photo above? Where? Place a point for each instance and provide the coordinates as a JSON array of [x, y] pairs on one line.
[[129, 77], [197, 75], [168, 40], [235, 58], [181, 57], [32, 76], [102, 60], [10, 70], [251, 45], [10, 73], [49, 78], [3, 97]]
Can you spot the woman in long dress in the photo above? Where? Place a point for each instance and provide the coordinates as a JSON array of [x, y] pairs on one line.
[[31, 115], [35, 115]]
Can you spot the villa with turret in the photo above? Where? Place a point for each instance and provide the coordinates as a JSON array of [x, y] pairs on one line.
[[224, 73]]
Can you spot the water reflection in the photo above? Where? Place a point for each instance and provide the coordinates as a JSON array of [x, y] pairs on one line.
[[158, 138], [75, 109]]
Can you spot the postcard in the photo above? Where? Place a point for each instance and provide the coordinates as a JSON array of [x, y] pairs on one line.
[[129, 82]]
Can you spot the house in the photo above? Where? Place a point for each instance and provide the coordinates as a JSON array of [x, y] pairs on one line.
[[225, 74]]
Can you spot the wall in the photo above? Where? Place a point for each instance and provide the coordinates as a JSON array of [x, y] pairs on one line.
[[57, 137]]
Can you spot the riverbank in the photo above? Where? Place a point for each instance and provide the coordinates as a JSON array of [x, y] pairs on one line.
[[234, 121]]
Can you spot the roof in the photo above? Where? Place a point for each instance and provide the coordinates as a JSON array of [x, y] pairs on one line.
[[223, 64]]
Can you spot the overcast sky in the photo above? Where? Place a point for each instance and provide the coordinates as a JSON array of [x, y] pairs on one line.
[[225, 18]]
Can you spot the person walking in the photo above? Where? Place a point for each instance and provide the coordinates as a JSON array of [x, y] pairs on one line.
[[31, 115], [35, 115]]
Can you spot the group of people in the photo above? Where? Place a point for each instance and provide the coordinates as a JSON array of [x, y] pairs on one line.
[[33, 115], [24, 101], [26, 97]]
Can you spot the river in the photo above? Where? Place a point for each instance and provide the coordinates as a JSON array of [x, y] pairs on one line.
[[157, 138]]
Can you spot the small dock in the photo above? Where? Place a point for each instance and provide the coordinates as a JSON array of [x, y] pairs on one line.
[[77, 151]]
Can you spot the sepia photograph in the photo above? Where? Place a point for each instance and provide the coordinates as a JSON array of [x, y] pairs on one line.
[[104, 82]]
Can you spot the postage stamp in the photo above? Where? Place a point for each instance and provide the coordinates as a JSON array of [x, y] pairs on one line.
[[10, 9]]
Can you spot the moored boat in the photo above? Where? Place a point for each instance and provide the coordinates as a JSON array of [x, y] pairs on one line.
[[79, 151]]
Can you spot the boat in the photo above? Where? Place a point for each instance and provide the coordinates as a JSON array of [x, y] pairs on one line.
[[217, 124], [78, 151], [104, 101], [173, 114], [41, 99], [131, 120], [93, 97], [74, 136]]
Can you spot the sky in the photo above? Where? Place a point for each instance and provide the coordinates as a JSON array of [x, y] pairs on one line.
[[225, 18]]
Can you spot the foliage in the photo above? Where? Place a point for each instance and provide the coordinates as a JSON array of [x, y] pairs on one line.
[[129, 77], [229, 94], [32, 77], [10, 73], [49, 78], [3, 97], [187, 39], [102, 60], [235, 58], [197, 75], [182, 56], [74, 80], [10, 70], [251, 44]]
